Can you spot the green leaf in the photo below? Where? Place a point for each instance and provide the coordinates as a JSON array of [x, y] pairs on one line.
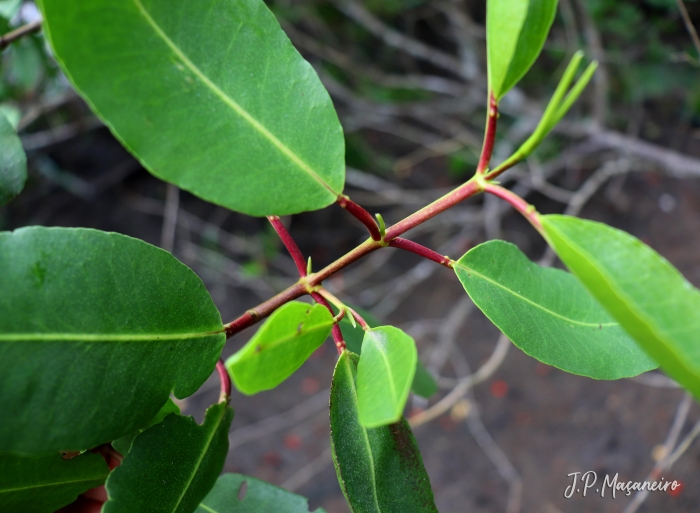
[[423, 384], [172, 466], [384, 375], [211, 96], [647, 295], [13, 162], [122, 445], [44, 484], [236, 493], [515, 32], [380, 470], [548, 314], [8, 8], [281, 345], [96, 330]]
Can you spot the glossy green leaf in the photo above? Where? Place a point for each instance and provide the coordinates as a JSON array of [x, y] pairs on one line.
[[13, 162], [281, 345], [548, 314], [647, 295], [380, 470], [515, 34], [211, 96], [236, 493], [122, 445], [96, 330], [43, 484], [384, 375], [171, 466], [424, 383]]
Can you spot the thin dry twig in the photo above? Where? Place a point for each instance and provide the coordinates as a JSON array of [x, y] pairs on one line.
[[18, 33]]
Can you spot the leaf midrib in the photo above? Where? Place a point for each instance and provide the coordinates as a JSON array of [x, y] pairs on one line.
[[283, 148], [48, 485], [536, 305], [101, 337], [199, 460]]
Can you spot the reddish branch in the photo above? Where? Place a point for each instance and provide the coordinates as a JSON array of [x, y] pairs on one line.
[[418, 249], [517, 202], [18, 33], [225, 395], [489, 135], [337, 334], [362, 215], [289, 243]]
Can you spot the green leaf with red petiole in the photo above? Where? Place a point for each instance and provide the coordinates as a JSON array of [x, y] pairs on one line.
[[281, 345], [548, 314]]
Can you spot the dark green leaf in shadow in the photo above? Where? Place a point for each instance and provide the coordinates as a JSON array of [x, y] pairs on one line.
[[281, 345], [380, 470], [171, 466], [13, 162], [548, 314], [236, 493], [98, 329], [122, 445], [212, 98], [43, 484], [657, 306]]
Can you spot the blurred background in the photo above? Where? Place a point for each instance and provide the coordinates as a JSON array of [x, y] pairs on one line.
[[408, 79]]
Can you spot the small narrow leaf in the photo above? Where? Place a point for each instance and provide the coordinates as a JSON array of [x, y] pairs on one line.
[[384, 375], [423, 384], [548, 314], [13, 162], [171, 466], [211, 97], [380, 470], [122, 445], [98, 329], [657, 306], [235, 493], [515, 34], [281, 345], [44, 484]]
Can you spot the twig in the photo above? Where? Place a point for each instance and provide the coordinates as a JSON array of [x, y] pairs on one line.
[[18, 33], [484, 373], [489, 135], [337, 334], [280, 421], [289, 243], [421, 250], [172, 206], [361, 215], [670, 456], [225, 395], [689, 25]]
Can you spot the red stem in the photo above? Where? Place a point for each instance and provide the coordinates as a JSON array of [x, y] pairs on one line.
[[489, 135], [363, 324], [289, 243], [361, 214], [337, 334], [225, 395], [418, 249], [303, 286], [517, 202]]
